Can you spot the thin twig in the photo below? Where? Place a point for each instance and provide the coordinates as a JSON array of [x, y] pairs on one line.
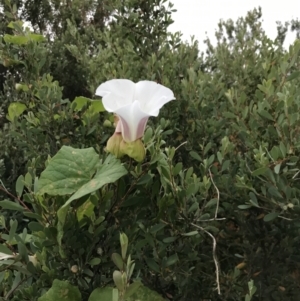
[[218, 193], [212, 219], [183, 143], [3, 188], [214, 256], [285, 218]]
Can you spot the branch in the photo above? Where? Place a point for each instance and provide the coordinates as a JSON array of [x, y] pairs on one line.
[[218, 194], [3, 188], [214, 256]]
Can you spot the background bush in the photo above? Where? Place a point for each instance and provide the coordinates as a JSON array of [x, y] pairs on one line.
[[222, 159]]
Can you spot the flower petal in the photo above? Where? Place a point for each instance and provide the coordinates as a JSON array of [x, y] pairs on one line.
[[116, 93], [152, 96], [133, 121]]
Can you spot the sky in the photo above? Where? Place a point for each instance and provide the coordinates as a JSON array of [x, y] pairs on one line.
[[196, 17]]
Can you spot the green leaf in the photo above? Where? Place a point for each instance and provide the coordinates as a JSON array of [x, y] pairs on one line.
[[67, 171], [253, 199], [23, 251], [15, 109], [13, 228], [37, 37], [117, 277], [220, 157], [269, 217], [63, 291], [10, 205], [260, 171], [101, 294], [17, 40], [2, 221], [118, 261], [86, 209], [97, 106], [192, 233], [133, 200], [211, 202], [152, 264], [35, 227], [282, 149], [20, 185], [79, 102], [94, 261], [132, 288], [14, 24], [144, 180], [5, 249], [243, 207], [169, 240], [177, 169], [274, 192], [293, 75], [61, 215], [157, 228], [266, 114], [172, 260], [109, 172], [195, 156], [277, 168], [207, 148], [144, 294]]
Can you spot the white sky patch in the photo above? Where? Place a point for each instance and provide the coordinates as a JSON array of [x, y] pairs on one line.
[[198, 17]]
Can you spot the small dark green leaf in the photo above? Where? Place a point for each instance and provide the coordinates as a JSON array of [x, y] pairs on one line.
[[266, 114], [172, 260], [269, 217], [293, 75], [13, 228], [243, 207], [153, 265], [20, 185], [10, 205], [177, 169], [192, 233], [260, 171], [4, 249], [132, 288], [277, 168], [35, 227], [157, 228], [144, 180], [95, 261], [195, 156], [118, 261], [168, 240], [283, 149]]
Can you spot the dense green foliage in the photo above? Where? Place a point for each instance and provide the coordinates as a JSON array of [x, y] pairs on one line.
[[222, 165]]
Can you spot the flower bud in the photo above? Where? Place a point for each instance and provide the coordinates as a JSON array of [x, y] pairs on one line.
[[74, 269], [107, 124], [18, 87]]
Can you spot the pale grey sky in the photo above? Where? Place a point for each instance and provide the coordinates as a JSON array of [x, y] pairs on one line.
[[195, 17]]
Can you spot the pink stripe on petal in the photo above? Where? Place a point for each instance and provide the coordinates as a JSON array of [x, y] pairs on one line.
[[125, 129], [118, 127], [141, 127]]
